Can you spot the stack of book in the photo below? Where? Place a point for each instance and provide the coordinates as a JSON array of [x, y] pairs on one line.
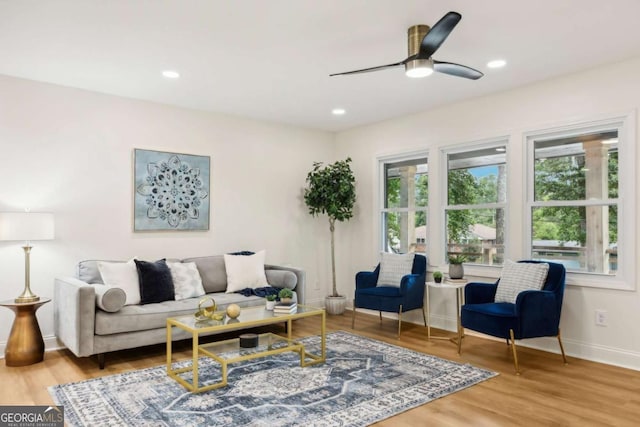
[[285, 308]]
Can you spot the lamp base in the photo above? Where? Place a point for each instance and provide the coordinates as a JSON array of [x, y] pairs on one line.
[[27, 296], [22, 300]]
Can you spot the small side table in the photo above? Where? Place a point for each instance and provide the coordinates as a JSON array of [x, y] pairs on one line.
[[25, 345], [459, 288]]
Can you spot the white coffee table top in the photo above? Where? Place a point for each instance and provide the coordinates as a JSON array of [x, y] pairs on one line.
[[447, 285]]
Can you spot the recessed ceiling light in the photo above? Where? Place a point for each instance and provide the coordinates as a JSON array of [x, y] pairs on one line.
[[338, 111], [170, 74], [496, 63]]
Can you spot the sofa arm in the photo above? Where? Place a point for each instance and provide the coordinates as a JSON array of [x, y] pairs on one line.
[[74, 315], [300, 275]]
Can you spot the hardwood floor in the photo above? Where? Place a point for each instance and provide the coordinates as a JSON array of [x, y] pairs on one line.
[[547, 393]]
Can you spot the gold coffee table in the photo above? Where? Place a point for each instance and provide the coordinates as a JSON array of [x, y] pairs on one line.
[[229, 351]]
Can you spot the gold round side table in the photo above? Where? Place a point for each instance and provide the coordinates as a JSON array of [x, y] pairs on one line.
[[25, 345]]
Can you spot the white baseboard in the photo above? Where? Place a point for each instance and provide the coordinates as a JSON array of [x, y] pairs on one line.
[[573, 348]]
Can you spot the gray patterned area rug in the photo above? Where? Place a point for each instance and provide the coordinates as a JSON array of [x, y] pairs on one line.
[[363, 381]]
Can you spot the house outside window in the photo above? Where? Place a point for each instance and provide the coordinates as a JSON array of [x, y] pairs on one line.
[[475, 212], [403, 212]]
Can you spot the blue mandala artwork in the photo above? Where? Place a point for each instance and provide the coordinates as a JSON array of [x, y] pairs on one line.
[[172, 191]]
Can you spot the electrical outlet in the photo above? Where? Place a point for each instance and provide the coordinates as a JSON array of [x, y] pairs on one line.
[[601, 317]]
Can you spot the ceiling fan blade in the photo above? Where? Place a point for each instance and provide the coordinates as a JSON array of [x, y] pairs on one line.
[[438, 34], [367, 70], [457, 70]]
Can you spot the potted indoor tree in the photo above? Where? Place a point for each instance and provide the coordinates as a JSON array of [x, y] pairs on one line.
[[331, 190]]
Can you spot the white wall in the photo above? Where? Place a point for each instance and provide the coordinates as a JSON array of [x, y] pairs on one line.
[[69, 152], [607, 91]]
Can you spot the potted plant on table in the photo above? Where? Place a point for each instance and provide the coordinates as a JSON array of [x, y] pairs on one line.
[[437, 276], [456, 269], [331, 190], [271, 301], [285, 295]]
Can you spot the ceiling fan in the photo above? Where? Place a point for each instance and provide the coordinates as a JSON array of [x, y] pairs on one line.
[[423, 42]]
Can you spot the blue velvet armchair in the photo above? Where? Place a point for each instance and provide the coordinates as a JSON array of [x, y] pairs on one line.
[[392, 299], [535, 313]]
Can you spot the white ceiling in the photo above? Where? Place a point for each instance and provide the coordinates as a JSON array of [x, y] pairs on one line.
[[271, 59]]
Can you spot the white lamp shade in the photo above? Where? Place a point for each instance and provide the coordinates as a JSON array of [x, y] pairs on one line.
[[26, 226]]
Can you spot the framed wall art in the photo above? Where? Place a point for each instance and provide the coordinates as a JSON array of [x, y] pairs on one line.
[[171, 191]]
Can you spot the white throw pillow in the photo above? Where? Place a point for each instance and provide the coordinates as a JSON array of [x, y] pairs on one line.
[[393, 267], [520, 276], [123, 275], [245, 271], [187, 282]]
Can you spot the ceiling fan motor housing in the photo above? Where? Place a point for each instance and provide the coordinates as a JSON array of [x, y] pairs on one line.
[[415, 35], [417, 67]]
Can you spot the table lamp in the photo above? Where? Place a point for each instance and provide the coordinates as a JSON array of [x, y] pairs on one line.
[[26, 226]]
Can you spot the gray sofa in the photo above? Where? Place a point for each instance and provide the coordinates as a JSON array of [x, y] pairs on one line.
[[86, 329]]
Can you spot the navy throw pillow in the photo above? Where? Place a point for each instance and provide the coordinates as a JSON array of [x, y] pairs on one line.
[[243, 253], [156, 284]]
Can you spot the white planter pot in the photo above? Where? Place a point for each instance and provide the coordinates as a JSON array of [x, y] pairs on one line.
[[456, 271], [271, 304], [335, 305]]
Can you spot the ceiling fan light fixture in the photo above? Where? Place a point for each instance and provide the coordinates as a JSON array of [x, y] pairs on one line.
[[417, 68]]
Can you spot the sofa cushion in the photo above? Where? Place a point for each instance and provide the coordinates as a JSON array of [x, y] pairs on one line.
[[156, 284], [152, 316], [245, 271], [88, 271], [123, 275], [212, 272], [186, 280], [109, 298]]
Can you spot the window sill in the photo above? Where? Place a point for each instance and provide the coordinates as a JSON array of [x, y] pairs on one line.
[[490, 273]]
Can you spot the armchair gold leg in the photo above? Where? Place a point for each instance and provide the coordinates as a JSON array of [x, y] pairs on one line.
[[353, 316], [564, 357], [399, 321], [515, 353], [380, 317]]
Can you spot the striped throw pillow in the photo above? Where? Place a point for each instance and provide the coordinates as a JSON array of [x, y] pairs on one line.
[[519, 276]]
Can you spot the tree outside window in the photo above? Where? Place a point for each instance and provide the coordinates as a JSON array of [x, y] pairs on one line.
[[476, 202], [404, 215], [574, 214]]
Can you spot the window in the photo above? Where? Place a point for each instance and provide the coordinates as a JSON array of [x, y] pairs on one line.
[[574, 202], [404, 209], [476, 203]]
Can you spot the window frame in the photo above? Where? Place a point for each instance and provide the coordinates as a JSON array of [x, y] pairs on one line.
[[382, 161], [625, 276], [500, 141]]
